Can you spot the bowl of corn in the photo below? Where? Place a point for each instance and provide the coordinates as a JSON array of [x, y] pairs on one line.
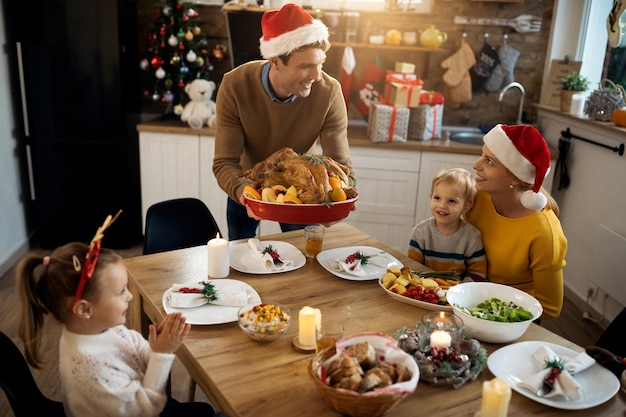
[[264, 322]]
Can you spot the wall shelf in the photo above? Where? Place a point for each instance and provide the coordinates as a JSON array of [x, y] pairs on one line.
[[387, 47]]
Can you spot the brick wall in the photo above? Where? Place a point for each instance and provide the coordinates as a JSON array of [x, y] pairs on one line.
[[484, 108]]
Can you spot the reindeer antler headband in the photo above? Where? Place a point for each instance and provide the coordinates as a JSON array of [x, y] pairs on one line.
[[93, 251]]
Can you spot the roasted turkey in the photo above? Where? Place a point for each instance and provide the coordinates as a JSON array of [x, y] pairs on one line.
[[308, 173]]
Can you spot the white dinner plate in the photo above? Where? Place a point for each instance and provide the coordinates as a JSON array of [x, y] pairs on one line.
[[413, 302], [241, 257], [325, 258], [211, 313], [515, 363]]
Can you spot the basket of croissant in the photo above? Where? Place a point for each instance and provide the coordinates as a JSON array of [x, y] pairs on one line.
[[365, 375], [299, 188]]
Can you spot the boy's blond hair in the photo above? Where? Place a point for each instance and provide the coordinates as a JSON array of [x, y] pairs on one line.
[[457, 176]]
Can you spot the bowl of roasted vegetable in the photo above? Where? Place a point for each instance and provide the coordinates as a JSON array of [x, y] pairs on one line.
[[493, 313], [299, 188]]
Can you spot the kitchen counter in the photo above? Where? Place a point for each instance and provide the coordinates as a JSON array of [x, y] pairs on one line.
[[357, 136]]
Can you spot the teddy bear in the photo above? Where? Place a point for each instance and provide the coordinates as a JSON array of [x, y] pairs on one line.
[[200, 110]]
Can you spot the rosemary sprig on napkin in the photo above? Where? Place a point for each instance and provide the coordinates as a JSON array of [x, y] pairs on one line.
[[208, 291], [357, 256]]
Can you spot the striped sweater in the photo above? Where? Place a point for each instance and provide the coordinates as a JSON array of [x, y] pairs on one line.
[[462, 251]]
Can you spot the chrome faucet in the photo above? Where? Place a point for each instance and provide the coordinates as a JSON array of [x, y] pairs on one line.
[[521, 99]]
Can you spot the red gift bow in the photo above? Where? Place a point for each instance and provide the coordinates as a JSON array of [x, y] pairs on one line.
[[431, 97]]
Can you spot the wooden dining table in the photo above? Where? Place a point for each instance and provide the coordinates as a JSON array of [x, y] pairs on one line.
[[246, 378]]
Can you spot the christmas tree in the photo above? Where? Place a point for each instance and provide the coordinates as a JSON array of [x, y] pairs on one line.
[[177, 53]]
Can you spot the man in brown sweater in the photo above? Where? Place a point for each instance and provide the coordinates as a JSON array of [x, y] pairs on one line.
[[285, 100]]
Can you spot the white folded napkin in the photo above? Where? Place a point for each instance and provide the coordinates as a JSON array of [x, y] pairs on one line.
[[265, 260], [565, 383], [231, 295], [356, 268]]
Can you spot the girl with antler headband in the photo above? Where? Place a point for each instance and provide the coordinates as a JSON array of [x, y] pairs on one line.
[[106, 369]]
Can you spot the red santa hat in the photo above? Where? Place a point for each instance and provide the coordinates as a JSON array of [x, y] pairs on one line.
[[524, 152], [288, 29]]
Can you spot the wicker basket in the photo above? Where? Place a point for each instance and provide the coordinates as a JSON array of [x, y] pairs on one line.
[[349, 402]]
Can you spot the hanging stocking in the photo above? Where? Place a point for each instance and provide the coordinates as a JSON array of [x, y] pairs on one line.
[[503, 73], [458, 64], [485, 63], [370, 85], [348, 62]]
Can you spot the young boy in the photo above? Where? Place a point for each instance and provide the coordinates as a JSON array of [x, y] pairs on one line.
[[445, 242]]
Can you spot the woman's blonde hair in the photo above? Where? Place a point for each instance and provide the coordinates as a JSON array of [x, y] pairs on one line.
[[458, 176], [47, 284]]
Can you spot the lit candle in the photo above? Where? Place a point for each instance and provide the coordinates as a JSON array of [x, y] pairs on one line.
[[219, 257], [307, 322], [496, 397], [440, 339]]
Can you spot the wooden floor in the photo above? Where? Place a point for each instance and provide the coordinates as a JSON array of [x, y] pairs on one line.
[[570, 325]]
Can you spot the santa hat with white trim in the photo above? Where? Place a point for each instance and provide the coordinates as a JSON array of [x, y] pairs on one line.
[[524, 152], [288, 29]]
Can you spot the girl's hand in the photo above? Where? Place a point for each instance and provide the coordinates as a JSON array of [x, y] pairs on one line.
[[167, 336]]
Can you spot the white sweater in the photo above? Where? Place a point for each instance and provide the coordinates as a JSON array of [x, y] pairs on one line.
[[114, 373]]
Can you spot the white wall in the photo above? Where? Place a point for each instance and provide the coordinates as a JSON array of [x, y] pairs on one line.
[[13, 238]]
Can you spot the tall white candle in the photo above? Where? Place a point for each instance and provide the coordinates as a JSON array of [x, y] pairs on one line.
[[307, 322], [440, 339], [218, 257], [496, 397]]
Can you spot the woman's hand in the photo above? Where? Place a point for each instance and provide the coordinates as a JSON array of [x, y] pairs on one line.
[[167, 336]]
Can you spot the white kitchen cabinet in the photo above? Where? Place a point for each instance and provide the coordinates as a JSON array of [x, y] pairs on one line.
[[432, 163], [387, 181], [179, 165]]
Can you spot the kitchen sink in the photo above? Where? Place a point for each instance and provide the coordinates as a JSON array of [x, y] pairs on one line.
[[469, 138]]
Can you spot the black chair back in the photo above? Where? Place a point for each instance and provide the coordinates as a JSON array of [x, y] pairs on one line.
[[20, 387], [177, 224]]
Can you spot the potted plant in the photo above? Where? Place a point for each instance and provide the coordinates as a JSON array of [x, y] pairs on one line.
[[572, 84]]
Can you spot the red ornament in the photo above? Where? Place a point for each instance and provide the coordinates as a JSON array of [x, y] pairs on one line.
[[156, 62], [181, 47], [185, 18], [179, 6], [172, 21], [181, 84]]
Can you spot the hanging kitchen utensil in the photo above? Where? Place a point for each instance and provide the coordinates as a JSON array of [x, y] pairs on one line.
[[523, 24]]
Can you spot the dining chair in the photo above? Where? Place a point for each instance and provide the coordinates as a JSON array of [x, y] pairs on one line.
[[178, 223], [17, 381]]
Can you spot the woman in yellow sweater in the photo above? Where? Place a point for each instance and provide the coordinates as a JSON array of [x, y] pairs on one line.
[[518, 219]]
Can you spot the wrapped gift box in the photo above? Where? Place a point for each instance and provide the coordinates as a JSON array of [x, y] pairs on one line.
[[401, 88], [404, 93], [426, 119], [388, 123], [405, 67]]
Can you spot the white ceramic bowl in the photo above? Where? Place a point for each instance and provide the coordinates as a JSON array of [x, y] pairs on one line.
[[470, 294]]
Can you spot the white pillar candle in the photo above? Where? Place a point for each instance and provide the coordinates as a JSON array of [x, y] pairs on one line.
[[307, 323], [578, 105], [440, 339], [496, 397], [218, 257]]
